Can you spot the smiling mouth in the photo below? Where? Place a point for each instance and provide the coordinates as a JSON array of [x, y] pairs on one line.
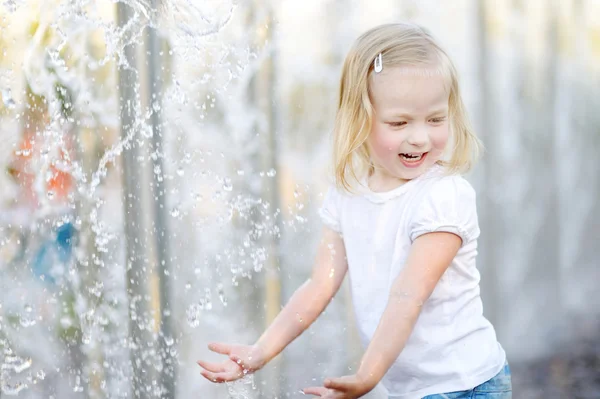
[[412, 157]]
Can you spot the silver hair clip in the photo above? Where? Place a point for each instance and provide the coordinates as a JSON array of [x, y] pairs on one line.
[[378, 63]]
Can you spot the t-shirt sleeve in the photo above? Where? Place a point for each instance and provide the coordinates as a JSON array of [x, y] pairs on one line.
[[449, 205], [330, 209]]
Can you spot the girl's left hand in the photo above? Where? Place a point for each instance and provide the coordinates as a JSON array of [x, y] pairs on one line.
[[347, 387]]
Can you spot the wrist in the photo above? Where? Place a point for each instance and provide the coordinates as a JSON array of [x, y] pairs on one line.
[[368, 378], [259, 355]]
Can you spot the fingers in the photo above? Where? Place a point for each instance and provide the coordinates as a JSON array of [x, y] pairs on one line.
[[221, 377], [317, 391], [240, 362], [214, 367], [223, 349], [338, 384], [212, 377]]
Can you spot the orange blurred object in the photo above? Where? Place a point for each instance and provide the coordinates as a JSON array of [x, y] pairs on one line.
[[24, 170]]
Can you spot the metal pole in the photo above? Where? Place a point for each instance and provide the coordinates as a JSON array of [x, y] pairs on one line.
[[168, 371], [140, 339], [488, 131], [269, 87], [265, 99]]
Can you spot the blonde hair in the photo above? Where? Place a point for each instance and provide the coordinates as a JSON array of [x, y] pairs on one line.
[[400, 44]]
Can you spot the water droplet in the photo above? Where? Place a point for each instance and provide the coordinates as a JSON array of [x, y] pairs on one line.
[[272, 172], [207, 296], [41, 375], [227, 186], [221, 294], [240, 172], [169, 341], [175, 212], [26, 322], [193, 315], [50, 194], [180, 171], [188, 286], [7, 99]]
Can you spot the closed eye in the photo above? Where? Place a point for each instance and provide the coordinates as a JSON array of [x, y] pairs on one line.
[[397, 124], [438, 120]]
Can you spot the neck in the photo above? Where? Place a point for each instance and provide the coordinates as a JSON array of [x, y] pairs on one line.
[[378, 181]]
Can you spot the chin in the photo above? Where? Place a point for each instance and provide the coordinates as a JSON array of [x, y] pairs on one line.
[[414, 173]]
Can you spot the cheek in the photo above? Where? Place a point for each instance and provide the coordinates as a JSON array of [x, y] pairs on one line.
[[383, 142], [440, 138]]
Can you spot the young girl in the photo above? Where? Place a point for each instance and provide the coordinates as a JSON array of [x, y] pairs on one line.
[[403, 223]]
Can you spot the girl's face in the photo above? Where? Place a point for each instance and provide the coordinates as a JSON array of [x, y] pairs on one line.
[[410, 124]]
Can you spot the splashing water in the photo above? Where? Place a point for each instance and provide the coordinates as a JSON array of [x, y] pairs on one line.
[[242, 388], [17, 364], [80, 44], [12, 390], [193, 315], [11, 366]]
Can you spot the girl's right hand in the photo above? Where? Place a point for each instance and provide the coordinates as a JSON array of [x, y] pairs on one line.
[[242, 360]]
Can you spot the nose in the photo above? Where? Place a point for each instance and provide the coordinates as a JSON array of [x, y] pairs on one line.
[[418, 136]]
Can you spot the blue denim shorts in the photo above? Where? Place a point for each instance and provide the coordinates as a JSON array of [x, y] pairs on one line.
[[499, 387]]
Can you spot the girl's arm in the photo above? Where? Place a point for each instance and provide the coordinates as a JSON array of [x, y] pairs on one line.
[[309, 301], [429, 257]]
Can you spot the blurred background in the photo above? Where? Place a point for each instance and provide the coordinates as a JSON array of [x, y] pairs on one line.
[[162, 162]]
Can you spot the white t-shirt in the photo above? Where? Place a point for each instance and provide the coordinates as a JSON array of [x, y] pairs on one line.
[[453, 347]]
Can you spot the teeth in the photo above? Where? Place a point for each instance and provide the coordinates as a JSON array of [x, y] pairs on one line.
[[411, 157]]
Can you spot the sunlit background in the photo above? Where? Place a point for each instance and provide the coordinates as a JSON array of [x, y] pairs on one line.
[[162, 162]]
